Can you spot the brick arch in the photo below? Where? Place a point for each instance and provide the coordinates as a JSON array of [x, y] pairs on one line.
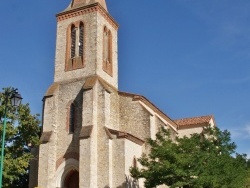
[[67, 156], [76, 62], [64, 170], [68, 40]]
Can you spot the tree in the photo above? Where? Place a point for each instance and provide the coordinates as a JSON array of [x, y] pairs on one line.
[[22, 131], [199, 161], [248, 174]]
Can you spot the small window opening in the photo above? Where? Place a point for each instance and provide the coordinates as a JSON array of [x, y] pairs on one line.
[[73, 41], [81, 37], [72, 118], [134, 163]]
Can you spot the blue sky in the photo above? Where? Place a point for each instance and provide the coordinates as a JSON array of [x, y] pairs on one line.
[[189, 57]]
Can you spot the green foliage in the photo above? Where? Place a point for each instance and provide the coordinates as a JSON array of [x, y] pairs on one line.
[[199, 161], [22, 131]]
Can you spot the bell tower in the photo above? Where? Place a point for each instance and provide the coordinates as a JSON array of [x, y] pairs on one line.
[[86, 42], [77, 106]]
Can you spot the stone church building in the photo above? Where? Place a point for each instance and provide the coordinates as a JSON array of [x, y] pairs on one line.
[[92, 133]]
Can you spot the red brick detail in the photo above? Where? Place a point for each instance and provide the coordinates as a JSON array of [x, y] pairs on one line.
[[193, 122], [120, 134], [85, 10], [76, 62], [107, 65], [66, 156], [91, 80]]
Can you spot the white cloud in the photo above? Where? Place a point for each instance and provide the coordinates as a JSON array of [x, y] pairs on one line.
[[248, 129], [243, 133]]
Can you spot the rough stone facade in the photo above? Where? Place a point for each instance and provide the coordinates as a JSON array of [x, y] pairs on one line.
[[109, 127]]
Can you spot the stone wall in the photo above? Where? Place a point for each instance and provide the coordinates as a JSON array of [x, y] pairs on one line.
[[94, 23], [134, 119]]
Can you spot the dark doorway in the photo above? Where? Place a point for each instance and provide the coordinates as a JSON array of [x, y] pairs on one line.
[[72, 179]]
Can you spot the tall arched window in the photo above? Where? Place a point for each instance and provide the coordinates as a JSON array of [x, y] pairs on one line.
[[105, 45], [72, 118], [81, 39], [107, 51], [73, 41], [74, 58]]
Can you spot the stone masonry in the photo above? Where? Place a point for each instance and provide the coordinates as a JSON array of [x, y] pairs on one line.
[[109, 126]]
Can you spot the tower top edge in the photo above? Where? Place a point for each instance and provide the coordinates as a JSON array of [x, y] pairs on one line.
[[74, 4]]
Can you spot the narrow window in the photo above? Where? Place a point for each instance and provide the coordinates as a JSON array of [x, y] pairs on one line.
[[73, 41], [106, 45], [72, 118], [134, 163], [81, 41], [109, 46], [107, 51]]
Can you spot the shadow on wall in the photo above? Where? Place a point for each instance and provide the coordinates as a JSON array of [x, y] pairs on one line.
[[129, 183]]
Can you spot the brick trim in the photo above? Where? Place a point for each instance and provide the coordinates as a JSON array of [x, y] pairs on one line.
[[66, 156], [76, 62], [91, 80], [107, 65], [121, 134], [85, 10]]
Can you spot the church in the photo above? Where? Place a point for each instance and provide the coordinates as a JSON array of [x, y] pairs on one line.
[[92, 133]]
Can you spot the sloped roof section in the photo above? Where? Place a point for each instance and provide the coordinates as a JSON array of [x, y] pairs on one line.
[[82, 3], [52, 89], [91, 81], [121, 134], [195, 121]]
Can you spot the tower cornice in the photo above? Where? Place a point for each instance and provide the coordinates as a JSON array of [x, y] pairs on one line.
[[82, 3], [96, 7]]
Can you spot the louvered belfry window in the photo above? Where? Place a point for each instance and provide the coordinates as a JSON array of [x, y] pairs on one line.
[[75, 46], [81, 39], [73, 41]]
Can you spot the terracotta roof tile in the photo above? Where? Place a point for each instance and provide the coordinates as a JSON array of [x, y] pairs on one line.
[[194, 121]]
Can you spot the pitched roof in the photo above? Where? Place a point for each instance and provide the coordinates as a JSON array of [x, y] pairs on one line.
[[194, 121], [74, 4]]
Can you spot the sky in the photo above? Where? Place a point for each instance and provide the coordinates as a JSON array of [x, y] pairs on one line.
[[188, 57]]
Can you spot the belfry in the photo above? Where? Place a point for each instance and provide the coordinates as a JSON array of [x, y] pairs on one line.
[[92, 133]]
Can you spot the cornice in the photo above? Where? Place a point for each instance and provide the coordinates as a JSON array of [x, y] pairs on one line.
[[192, 126], [121, 134], [96, 7]]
